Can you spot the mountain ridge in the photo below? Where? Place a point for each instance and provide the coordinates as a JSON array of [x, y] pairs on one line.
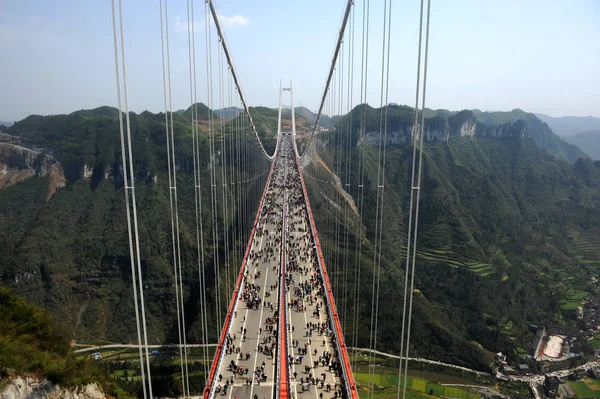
[[570, 125], [441, 124], [507, 237], [588, 140], [499, 212]]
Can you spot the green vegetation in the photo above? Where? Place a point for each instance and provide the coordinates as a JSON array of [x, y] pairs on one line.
[[70, 254], [385, 383], [508, 233], [573, 299], [31, 343], [588, 388], [596, 342], [507, 236], [538, 131], [588, 141]]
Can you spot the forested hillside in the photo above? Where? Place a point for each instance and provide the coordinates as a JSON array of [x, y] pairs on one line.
[[32, 344], [589, 141], [69, 252], [508, 234]]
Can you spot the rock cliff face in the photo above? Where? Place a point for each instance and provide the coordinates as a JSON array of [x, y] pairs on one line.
[[31, 388], [18, 163], [439, 129]]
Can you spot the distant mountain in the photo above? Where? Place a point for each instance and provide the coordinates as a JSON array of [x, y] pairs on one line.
[[589, 141], [202, 112], [442, 123], [6, 123], [539, 131], [62, 219], [229, 112], [570, 125], [507, 233]]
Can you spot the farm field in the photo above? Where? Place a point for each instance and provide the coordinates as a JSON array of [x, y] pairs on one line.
[[419, 384], [452, 259], [588, 388]]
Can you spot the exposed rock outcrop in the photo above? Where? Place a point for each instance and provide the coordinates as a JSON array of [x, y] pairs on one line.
[[439, 129], [32, 388], [86, 171], [18, 163]]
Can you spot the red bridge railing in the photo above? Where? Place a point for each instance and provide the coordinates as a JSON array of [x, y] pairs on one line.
[[210, 385], [333, 314], [283, 391]]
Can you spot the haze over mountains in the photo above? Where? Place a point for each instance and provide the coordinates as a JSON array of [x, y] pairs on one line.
[[570, 125], [511, 211], [584, 132]]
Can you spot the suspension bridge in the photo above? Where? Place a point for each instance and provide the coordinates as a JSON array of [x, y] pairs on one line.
[[267, 300]]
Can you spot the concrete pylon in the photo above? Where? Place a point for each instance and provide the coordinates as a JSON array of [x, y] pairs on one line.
[[293, 111]]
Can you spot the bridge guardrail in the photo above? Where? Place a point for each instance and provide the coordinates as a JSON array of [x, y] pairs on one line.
[[340, 343], [282, 365], [210, 386]]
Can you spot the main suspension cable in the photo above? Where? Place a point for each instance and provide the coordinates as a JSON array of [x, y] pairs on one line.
[[336, 51], [221, 34]]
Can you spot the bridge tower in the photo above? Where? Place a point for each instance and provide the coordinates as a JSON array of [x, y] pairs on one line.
[[291, 91]]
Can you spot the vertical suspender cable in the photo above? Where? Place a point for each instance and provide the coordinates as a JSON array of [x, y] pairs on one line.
[[212, 165], [380, 175], [172, 185], [146, 376], [415, 132], [417, 188], [133, 248], [346, 186], [223, 178], [336, 167], [199, 222], [231, 186], [360, 183]]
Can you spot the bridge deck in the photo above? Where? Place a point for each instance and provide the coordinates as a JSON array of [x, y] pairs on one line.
[[310, 339], [249, 361], [252, 335]]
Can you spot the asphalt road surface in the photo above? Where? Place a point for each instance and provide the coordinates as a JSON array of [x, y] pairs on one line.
[[248, 365], [310, 343], [252, 336]]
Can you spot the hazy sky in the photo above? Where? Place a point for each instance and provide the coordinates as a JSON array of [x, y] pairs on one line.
[[538, 55]]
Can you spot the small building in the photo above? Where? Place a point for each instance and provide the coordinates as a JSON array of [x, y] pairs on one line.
[[523, 369], [509, 370], [545, 367], [551, 385], [501, 357], [594, 372], [96, 355], [578, 374]]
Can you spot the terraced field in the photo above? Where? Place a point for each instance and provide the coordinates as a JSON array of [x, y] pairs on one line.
[[573, 299], [453, 259], [586, 245]]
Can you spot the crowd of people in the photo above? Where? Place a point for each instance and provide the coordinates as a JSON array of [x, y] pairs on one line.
[[306, 294], [313, 361]]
